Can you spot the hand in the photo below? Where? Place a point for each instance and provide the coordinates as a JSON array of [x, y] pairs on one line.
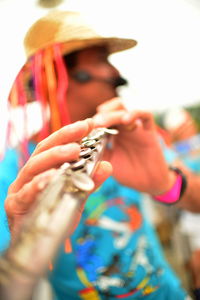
[[136, 155], [52, 152]]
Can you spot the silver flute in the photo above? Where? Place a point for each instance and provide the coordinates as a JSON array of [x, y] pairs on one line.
[[51, 220]]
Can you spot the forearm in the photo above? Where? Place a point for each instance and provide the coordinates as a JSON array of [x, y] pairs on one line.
[[181, 188], [191, 197]]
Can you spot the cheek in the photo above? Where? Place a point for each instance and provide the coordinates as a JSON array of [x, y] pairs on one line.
[[92, 94], [81, 104], [100, 92], [83, 99]]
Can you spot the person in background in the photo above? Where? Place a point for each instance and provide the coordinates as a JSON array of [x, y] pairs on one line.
[[183, 132], [115, 252]]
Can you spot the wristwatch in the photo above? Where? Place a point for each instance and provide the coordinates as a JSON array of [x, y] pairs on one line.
[[176, 192]]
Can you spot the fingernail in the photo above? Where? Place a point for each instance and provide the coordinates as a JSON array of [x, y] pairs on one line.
[[41, 185], [89, 120], [90, 123], [45, 178], [127, 118], [99, 120]]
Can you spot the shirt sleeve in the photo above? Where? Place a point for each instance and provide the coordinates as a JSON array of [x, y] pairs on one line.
[[8, 172]]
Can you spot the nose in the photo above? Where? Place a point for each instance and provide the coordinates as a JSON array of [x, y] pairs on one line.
[[115, 78], [106, 69], [113, 71]]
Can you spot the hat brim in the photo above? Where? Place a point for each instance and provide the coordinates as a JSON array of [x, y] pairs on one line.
[[112, 44]]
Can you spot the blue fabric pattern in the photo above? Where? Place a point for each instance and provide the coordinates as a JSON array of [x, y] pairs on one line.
[[115, 251]]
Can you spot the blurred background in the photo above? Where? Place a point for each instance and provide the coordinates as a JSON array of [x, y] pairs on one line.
[[163, 73], [163, 70]]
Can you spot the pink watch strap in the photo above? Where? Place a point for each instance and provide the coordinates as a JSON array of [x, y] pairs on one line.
[[173, 195]]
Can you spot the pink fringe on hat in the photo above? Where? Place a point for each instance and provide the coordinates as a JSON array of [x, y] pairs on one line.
[[48, 72]]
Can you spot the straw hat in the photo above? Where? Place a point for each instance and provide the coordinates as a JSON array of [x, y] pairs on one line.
[[69, 29]]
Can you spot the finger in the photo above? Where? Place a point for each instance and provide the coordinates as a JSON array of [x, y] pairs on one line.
[[51, 158], [130, 119], [113, 104], [135, 119], [102, 172], [68, 134], [108, 119], [20, 203]]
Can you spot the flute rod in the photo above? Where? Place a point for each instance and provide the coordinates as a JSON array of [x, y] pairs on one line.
[[51, 220]]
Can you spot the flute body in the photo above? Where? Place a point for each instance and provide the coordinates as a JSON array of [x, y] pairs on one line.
[[51, 220]]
